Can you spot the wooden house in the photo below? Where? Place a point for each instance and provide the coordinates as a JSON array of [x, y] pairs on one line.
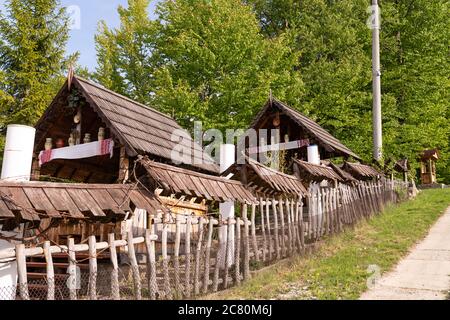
[[428, 160]]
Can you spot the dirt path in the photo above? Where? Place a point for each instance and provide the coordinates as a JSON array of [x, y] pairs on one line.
[[424, 274]]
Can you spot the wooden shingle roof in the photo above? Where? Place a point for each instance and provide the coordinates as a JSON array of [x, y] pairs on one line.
[[28, 201], [139, 128], [181, 181], [313, 172], [361, 171], [345, 176], [310, 126]]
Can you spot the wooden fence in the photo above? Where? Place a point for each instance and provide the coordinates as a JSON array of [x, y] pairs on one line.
[[187, 256]]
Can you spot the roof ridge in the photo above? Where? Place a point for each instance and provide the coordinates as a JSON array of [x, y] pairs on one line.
[[99, 86]]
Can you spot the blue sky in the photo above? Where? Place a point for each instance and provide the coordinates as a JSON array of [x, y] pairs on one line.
[[91, 12]]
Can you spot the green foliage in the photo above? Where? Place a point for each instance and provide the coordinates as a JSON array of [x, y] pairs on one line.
[[33, 35], [336, 69]]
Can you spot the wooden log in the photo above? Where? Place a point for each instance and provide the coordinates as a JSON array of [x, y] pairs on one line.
[[269, 236], [263, 229], [237, 255], [178, 288], [187, 251], [134, 266], [50, 271], [301, 225], [72, 270], [92, 268], [253, 231], [115, 288], [228, 247], [296, 223], [207, 257], [197, 257], [283, 230], [151, 264], [165, 259], [289, 223], [277, 239], [22, 271], [246, 243], [218, 263]]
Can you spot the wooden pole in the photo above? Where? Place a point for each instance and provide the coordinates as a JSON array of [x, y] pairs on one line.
[[277, 239], [115, 288], [22, 271], [178, 288], [208, 256], [134, 266], [50, 271], [165, 258], [237, 255], [253, 231], [92, 268], [263, 229], [151, 264], [283, 233], [269, 238], [218, 262], [301, 225], [246, 243], [228, 247], [73, 276], [187, 250], [289, 222], [197, 257]]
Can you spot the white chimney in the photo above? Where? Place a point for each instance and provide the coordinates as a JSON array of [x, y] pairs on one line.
[[18, 154], [313, 154]]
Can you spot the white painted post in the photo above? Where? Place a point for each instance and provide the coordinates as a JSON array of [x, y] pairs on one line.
[[226, 209]]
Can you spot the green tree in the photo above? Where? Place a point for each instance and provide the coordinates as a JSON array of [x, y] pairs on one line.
[[33, 35], [124, 54]]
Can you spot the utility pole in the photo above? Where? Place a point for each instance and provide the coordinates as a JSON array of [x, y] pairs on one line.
[[376, 74]]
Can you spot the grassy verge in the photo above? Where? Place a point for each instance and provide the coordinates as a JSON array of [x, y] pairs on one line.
[[339, 269]]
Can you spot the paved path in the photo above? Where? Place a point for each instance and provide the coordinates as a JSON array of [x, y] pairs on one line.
[[424, 274]]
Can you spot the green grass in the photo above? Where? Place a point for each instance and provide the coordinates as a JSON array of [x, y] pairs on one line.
[[338, 270]]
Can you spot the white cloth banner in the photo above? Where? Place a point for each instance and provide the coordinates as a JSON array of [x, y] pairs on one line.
[[79, 151]]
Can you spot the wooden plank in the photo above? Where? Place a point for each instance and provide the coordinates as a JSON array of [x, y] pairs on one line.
[[115, 288], [63, 202], [246, 243], [85, 203], [253, 232], [92, 268], [22, 271], [197, 257], [20, 198], [5, 212], [199, 184], [104, 201], [40, 201], [50, 271], [134, 266], [208, 255], [165, 257], [151, 264], [72, 270], [121, 198], [187, 253]]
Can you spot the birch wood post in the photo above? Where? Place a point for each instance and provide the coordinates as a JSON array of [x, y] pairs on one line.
[[246, 243], [178, 289], [208, 256], [197, 257], [115, 289], [218, 262], [283, 233], [151, 264], [302, 225], [296, 223], [228, 247], [263, 229], [92, 268], [187, 251], [326, 201], [277, 239], [253, 231], [165, 258], [50, 271], [269, 236], [134, 265], [289, 227], [22, 271], [72, 269], [237, 255], [310, 222]]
